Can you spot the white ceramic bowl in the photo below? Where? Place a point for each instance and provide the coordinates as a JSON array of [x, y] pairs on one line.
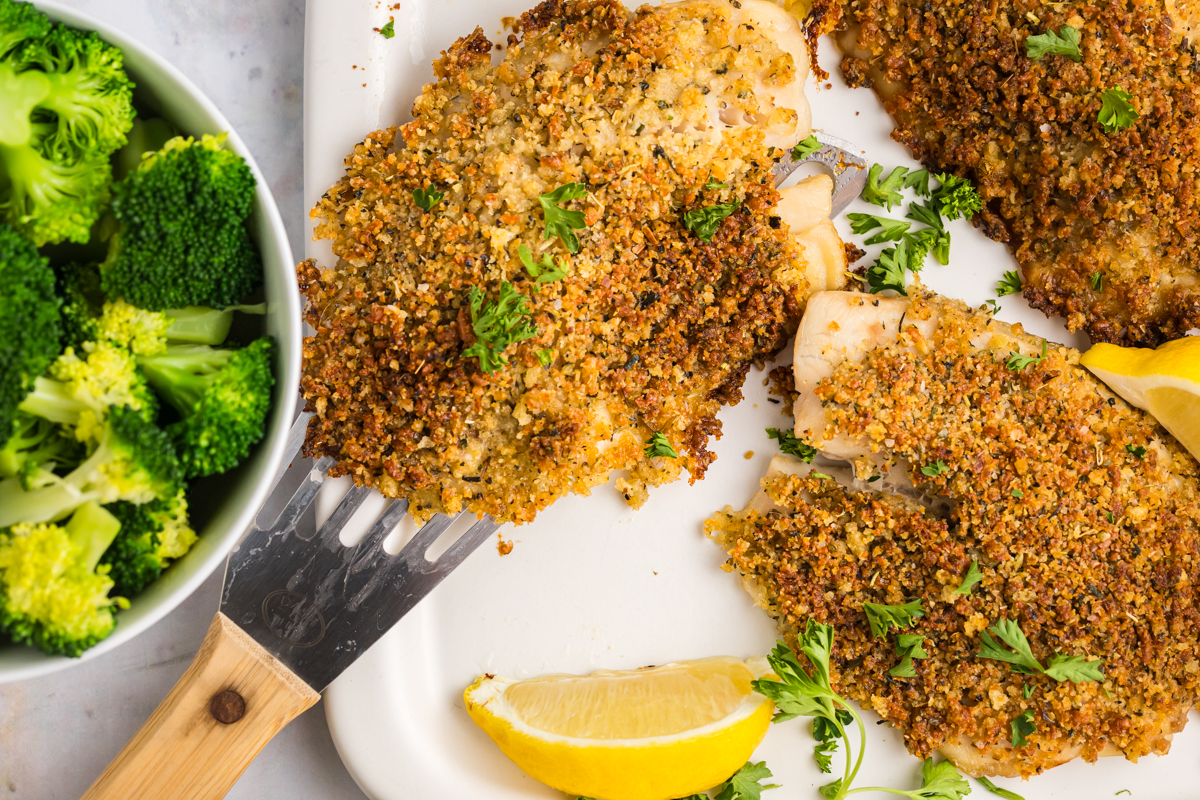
[[224, 505]]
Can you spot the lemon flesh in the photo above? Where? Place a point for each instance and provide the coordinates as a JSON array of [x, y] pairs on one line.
[[650, 734], [1164, 382]]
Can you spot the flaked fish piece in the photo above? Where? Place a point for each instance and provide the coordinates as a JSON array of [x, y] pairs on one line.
[[1081, 512]]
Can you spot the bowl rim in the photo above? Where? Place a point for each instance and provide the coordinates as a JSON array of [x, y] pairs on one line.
[[272, 447]]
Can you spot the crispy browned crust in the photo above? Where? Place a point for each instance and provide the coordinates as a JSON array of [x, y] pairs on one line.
[[1070, 200], [652, 330], [1036, 464]]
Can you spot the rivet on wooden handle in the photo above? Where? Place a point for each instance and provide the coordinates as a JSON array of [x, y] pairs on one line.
[[227, 707]]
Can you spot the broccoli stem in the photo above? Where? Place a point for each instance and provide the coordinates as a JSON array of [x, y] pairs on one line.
[[50, 400], [183, 373], [202, 325], [91, 529]]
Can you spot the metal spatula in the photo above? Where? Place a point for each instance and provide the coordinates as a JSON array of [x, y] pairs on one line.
[[297, 609]]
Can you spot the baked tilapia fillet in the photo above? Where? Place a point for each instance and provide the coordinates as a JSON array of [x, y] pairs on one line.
[[1103, 219], [1080, 511], [650, 325]]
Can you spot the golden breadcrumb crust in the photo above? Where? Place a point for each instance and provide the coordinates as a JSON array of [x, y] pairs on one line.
[[653, 330], [1103, 224]]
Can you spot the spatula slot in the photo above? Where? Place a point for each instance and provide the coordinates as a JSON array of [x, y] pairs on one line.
[[401, 535], [452, 534]]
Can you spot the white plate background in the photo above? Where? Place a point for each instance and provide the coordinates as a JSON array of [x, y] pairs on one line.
[[593, 584]]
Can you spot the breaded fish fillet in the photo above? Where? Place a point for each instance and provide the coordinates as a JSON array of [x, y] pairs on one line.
[[1104, 224], [657, 113], [1082, 513]]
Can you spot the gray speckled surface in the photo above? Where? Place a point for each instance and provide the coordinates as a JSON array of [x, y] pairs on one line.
[[58, 733]]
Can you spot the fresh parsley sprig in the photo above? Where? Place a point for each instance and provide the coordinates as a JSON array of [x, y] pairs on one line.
[[933, 470], [1064, 42], [497, 326], [704, 221], [562, 222], [890, 230], [1021, 659], [918, 181], [890, 269], [908, 647], [544, 271], [790, 445], [884, 193], [1116, 111], [882, 618], [806, 147], [1136, 450], [956, 197], [712, 185], [746, 783], [996, 790], [1022, 726], [972, 577], [427, 198], [658, 446], [1017, 362]]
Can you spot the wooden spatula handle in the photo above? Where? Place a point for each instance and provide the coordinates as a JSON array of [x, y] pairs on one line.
[[231, 701]]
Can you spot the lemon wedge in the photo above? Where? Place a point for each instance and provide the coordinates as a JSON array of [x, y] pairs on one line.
[[648, 734], [1165, 382]]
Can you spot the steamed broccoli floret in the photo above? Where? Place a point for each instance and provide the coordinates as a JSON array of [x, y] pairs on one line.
[[20, 22], [36, 449], [152, 534], [222, 396], [78, 392], [182, 237], [30, 325], [65, 106], [52, 593], [134, 461], [139, 331]]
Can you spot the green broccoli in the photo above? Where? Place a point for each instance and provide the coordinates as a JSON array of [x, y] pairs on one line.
[[78, 392], [36, 450], [30, 324], [65, 107], [133, 461], [152, 534], [53, 594], [201, 325], [182, 238], [222, 396], [82, 302]]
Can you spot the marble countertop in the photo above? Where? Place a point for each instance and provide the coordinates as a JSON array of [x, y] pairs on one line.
[[59, 732]]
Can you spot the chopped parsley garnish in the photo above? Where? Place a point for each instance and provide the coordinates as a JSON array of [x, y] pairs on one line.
[[543, 271], [821, 475], [874, 478], [826, 735], [1022, 726], [1017, 362], [562, 222], [993, 788], [746, 783], [882, 618], [387, 32], [1017, 493], [1009, 284], [789, 444], [993, 306], [498, 325], [806, 147], [887, 193], [918, 181], [1138, 451], [908, 647], [426, 199], [1027, 691], [1111, 517], [890, 230], [934, 470], [704, 221], [889, 270], [806, 691], [1063, 43], [1097, 281], [657, 446], [1021, 659], [972, 577], [712, 185], [545, 357], [956, 197], [1115, 110]]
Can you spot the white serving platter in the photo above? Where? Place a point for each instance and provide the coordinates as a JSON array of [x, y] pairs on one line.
[[593, 584]]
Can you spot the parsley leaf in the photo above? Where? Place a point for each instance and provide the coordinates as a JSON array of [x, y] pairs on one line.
[[1115, 110], [993, 788], [1073, 668], [388, 31], [883, 618], [658, 446], [887, 193], [1097, 281], [1009, 284], [1027, 691], [935, 469], [972, 577], [545, 357], [498, 325], [798, 692], [426, 199], [925, 214], [821, 475], [543, 271], [908, 647], [712, 185], [1017, 493], [789, 444], [1060, 667], [888, 271], [1138, 451], [941, 781], [1017, 362], [956, 197], [746, 783], [806, 147], [1063, 43], [823, 753], [704, 221], [891, 230], [559, 221], [1022, 726], [830, 791], [993, 306], [918, 181]]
